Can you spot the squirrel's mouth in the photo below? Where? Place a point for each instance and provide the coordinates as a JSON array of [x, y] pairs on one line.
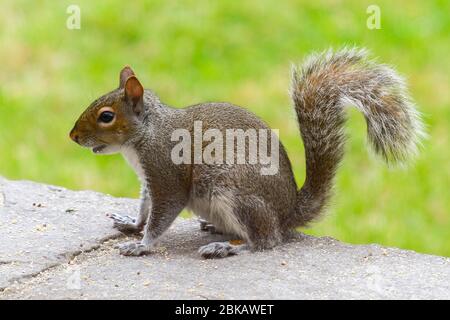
[[99, 148]]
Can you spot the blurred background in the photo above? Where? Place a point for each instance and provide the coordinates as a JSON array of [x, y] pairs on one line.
[[236, 51]]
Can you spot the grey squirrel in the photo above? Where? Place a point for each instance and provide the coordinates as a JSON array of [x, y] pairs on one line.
[[262, 211]]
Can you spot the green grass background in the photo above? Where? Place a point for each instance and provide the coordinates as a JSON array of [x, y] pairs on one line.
[[237, 51]]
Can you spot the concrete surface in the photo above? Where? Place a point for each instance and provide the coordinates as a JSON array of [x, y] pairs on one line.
[[59, 244]]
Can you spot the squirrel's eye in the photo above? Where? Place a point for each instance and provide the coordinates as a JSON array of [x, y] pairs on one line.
[[106, 117]]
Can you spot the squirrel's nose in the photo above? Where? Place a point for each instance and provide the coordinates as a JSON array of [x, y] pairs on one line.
[[74, 136]]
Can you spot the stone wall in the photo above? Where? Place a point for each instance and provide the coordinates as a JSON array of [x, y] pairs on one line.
[[57, 243]]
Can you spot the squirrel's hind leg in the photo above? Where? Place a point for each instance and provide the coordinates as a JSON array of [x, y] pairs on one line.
[[247, 218], [215, 250]]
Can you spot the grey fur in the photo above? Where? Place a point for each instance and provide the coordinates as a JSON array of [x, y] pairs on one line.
[[216, 250], [321, 89], [264, 210]]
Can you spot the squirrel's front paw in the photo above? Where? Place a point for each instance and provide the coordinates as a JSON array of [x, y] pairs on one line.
[[125, 224], [134, 249]]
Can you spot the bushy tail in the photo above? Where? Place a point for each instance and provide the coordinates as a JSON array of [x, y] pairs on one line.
[[321, 88]]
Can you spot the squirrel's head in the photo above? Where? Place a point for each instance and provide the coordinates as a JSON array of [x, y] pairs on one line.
[[111, 120]]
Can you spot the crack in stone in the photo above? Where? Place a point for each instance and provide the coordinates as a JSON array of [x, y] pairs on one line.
[[28, 276], [5, 262], [69, 256]]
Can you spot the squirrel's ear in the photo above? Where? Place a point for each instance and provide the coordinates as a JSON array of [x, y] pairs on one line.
[[134, 91], [124, 75]]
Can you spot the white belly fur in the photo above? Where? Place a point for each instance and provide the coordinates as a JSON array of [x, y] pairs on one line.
[[218, 210], [133, 160]]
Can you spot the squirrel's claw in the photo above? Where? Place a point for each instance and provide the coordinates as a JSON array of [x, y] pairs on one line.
[[122, 219], [125, 224], [134, 249], [206, 226]]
